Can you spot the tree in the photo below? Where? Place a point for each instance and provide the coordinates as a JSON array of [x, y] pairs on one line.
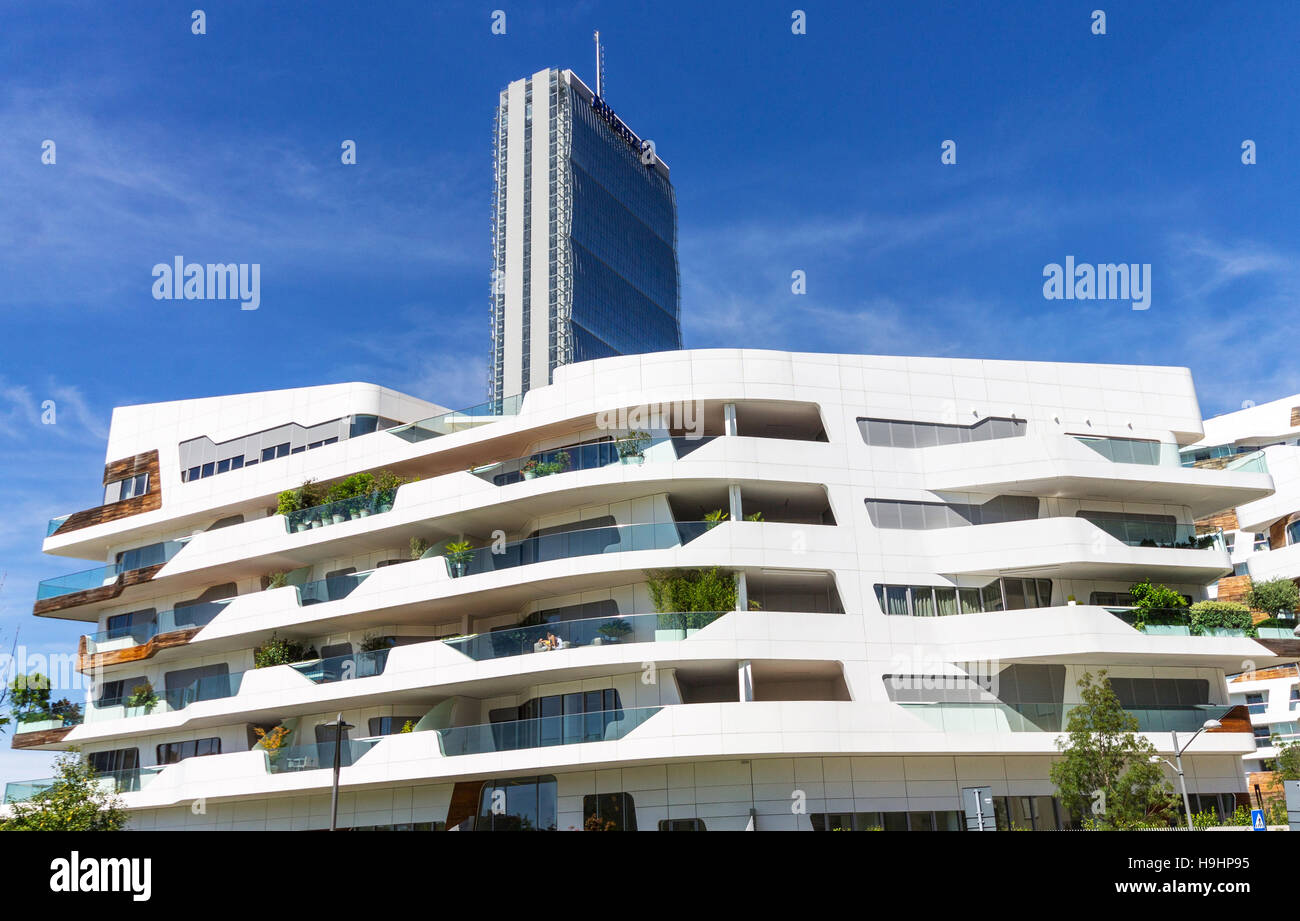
[[1288, 761], [75, 802], [1105, 776], [29, 697], [1276, 596]]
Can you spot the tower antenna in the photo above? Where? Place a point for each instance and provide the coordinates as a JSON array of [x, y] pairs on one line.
[[600, 68]]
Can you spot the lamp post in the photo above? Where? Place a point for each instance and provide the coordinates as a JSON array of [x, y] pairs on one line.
[[1178, 768], [340, 727]]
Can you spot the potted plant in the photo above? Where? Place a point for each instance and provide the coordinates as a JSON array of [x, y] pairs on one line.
[[530, 469], [631, 450], [143, 697], [459, 553], [338, 514], [715, 518], [277, 580], [1070, 599], [272, 742], [418, 547]]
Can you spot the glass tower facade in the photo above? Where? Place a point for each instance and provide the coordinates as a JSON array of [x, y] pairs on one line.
[[578, 194]]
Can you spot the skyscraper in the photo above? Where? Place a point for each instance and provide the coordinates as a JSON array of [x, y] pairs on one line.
[[584, 235]]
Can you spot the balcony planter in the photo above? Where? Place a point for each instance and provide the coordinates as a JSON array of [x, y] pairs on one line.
[[339, 517], [669, 636], [1222, 631], [1276, 633], [301, 526], [632, 459], [316, 523]]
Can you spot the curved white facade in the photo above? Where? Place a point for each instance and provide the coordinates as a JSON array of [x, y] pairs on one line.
[[996, 500]]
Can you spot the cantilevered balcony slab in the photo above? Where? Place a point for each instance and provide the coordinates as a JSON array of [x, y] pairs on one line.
[[1066, 548], [1062, 466]]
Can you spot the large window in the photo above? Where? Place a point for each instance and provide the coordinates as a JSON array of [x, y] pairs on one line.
[[114, 693], [896, 514], [893, 433], [390, 725], [175, 752], [608, 812], [518, 804], [945, 600], [560, 719]]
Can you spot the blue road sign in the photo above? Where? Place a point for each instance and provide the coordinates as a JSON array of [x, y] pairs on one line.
[[1257, 820]]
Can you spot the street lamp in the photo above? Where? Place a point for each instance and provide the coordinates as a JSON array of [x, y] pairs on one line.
[[1178, 757], [340, 728]]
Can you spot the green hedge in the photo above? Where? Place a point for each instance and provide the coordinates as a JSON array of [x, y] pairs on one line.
[[1229, 614]]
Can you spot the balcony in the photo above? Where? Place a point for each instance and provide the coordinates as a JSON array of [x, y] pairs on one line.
[[125, 781], [626, 451], [343, 668], [570, 544], [320, 516], [1050, 717], [317, 756], [572, 634], [459, 420], [103, 576], [599, 726], [186, 617], [1164, 535], [215, 687]]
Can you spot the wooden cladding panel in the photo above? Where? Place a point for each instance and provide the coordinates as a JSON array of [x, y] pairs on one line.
[[37, 739], [89, 662], [92, 595], [1226, 520], [1234, 588], [120, 470], [1235, 720]]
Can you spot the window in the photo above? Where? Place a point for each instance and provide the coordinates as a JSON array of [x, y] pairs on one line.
[[943, 601], [897, 514], [1262, 736], [891, 433], [122, 764], [176, 752], [114, 693], [129, 488], [682, 825], [518, 804], [608, 812]]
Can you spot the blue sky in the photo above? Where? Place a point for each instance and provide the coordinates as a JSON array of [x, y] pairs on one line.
[[818, 152]]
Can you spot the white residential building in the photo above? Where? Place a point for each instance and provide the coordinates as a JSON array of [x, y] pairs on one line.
[[919, 558]]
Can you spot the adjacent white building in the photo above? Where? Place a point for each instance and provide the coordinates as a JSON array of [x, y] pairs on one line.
[[916, 559]]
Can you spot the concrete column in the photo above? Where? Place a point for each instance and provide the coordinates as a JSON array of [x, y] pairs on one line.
[[733, 498], [729, 418], [745, 676], [742, 592]]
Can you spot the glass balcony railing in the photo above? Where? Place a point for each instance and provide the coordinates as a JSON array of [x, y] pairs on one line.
[[344, 668], [569, 544], [459, 420], [140, 558], [125, 781], [1249, 463], [322, 516], [1167, 535], [996, 716], [1257, 708], [214, 687], [317, 756], [331, 589], [594, 631], [57, 717], [55, 523], [628, 451], [1134, 451], [599, 726], [184, 617]]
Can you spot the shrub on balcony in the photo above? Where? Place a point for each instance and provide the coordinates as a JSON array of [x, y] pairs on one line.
[[1151, 600], [280, 651], [76, 802], [142, 696], [1207, 615], [294, 500], [1275, 597], [691, 591]]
